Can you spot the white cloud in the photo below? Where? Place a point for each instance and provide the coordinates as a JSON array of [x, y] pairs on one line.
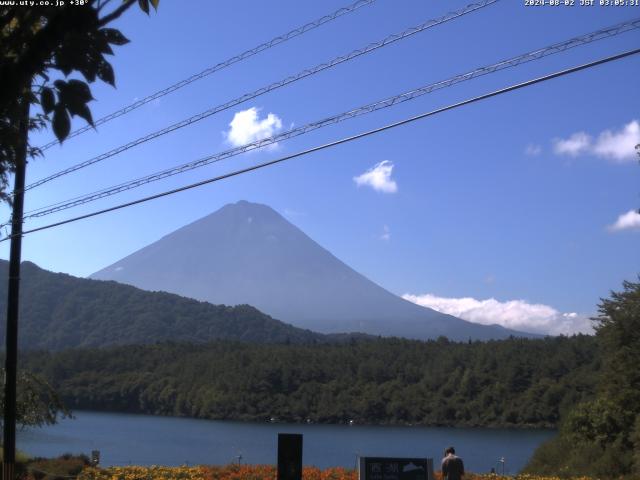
[[514, 314], [626, 221], [386, 234], [573, 146], [378, 177], [246, 127], [619, 146], [533, 150]]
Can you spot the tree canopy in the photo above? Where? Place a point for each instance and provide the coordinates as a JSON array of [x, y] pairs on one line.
[[516, 382], [601, 437]]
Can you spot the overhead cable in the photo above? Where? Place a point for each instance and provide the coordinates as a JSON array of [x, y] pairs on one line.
[[224, 64], [337, 142], [261, 91], [365, 109]]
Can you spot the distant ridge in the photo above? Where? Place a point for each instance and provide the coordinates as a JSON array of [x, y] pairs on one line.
[[247, 253], [59, 311]]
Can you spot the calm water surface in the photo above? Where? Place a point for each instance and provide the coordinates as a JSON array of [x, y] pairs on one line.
[[146, 440]]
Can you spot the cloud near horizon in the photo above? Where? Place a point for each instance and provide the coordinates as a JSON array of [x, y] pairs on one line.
[[626, 221], [378, 177], [513, 314], [246, 127], [617, 146]]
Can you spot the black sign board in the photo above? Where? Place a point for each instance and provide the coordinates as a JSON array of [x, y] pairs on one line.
[[289, 456], [387, 468]]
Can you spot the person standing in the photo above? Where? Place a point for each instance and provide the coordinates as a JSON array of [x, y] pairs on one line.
[[452, 466]]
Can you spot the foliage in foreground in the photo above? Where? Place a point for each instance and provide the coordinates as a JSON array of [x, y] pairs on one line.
[[249, 472], [602, 436], [41, 41], [65, 466], [21, 457], [37, 403], [516, 382]]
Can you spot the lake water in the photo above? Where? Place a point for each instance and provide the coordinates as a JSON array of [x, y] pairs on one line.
[[124, 439]]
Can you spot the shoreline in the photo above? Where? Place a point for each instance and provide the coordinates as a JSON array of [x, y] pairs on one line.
[[267, 421]]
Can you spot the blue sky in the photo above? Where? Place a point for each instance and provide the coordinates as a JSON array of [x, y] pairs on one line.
[[502, 211]]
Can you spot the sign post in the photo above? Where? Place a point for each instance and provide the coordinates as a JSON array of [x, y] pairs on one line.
[[289, 456], [389, 468]]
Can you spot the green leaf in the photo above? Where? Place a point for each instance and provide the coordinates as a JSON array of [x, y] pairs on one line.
[[104, 47], [79, 90], [85, 113], [155, 4], [61, 123], [144, 6], [61, 61], [114, 36], [72, 55], [90, 64], [74, 96], [105, 73], [47, 100]]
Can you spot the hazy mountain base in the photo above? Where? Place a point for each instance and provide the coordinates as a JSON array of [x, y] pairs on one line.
[[514, 383]]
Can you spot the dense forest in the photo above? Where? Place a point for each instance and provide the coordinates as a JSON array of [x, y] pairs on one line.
[[600, 437], [516, 382], [60, 311]]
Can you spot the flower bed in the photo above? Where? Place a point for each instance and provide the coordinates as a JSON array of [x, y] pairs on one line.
[[250, 472]]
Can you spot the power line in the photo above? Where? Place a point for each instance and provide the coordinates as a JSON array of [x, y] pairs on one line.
[[341, 141], [369, 108], [261, 91], [211, 70]]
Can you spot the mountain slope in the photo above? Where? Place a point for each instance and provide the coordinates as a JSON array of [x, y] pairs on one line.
[[248, 253], [59, 311]]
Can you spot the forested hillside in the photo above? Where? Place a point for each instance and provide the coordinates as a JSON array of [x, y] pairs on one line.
[[60, 311], [514, 382], [601, 436]]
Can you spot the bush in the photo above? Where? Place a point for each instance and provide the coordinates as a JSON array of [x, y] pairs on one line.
[[67, 465]]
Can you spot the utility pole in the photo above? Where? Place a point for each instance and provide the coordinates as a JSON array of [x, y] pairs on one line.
[[502, 461], [11, 360]]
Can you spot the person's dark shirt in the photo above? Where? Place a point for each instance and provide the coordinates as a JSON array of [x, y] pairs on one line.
[[452, 467]]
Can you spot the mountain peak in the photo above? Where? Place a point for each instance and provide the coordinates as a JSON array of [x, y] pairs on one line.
[[242, 211], [247, 253], [245, 205]]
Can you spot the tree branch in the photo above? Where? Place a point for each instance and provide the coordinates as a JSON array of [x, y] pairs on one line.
[[116, 13], [102, 4]]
